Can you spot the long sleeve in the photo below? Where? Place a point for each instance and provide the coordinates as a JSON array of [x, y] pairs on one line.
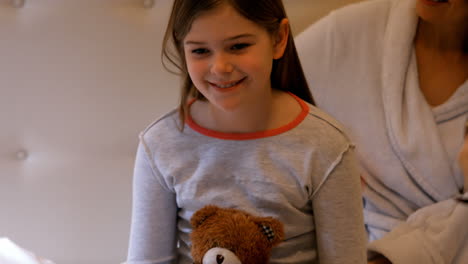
[[338, 214], [153, 226], [434, 234]]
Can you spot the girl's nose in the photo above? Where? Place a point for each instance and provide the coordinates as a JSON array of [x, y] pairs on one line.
[[221, 64]]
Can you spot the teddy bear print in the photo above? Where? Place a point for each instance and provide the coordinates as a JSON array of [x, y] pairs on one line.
[[232, 236]]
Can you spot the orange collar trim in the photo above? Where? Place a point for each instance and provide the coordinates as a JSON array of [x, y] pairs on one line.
[[252, 135]]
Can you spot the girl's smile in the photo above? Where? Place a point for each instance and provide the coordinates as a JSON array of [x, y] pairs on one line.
[[226, 86]]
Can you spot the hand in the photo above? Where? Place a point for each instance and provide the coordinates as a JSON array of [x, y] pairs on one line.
[[379, 260], [463, 159]]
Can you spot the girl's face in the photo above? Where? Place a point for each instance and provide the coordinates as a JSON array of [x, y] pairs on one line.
[[229, 58], [443, 12]]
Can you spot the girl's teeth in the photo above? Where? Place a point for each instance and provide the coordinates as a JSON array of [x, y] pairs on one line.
[[228, 85]]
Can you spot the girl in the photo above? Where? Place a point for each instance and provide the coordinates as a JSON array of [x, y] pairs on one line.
[[247, 136]]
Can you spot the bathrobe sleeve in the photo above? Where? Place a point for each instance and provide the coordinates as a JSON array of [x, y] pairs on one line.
[[436, 234]]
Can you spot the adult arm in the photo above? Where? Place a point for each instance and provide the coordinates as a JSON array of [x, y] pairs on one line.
[[338, 214], [433, 234], [154, 215]]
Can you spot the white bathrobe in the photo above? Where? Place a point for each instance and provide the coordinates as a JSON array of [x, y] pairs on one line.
[[361, 68]]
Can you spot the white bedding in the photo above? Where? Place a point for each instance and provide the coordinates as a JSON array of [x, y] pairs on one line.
[[10, 253]]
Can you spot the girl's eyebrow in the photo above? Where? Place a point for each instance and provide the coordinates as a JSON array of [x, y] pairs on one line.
[[246, 35], [191, 42]]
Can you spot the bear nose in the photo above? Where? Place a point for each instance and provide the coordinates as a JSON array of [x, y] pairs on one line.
[[219, 259]]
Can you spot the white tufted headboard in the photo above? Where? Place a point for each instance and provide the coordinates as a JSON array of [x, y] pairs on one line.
[[79, 79]]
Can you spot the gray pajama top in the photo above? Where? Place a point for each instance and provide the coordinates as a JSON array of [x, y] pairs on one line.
[[303, 174]]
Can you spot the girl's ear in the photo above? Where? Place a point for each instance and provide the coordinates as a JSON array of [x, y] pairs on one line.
[[281, 39]]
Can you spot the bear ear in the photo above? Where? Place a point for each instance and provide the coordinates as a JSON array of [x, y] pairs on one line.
[[202, 214], [272, 229]]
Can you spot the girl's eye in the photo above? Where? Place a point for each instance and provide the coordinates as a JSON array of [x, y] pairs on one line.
[[199, 51], [240, 46]]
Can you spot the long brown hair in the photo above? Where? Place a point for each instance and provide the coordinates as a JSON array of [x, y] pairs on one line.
[[287, 74]]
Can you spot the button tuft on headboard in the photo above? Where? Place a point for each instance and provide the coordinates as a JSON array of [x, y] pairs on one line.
[[22, 154], [18, 3]]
